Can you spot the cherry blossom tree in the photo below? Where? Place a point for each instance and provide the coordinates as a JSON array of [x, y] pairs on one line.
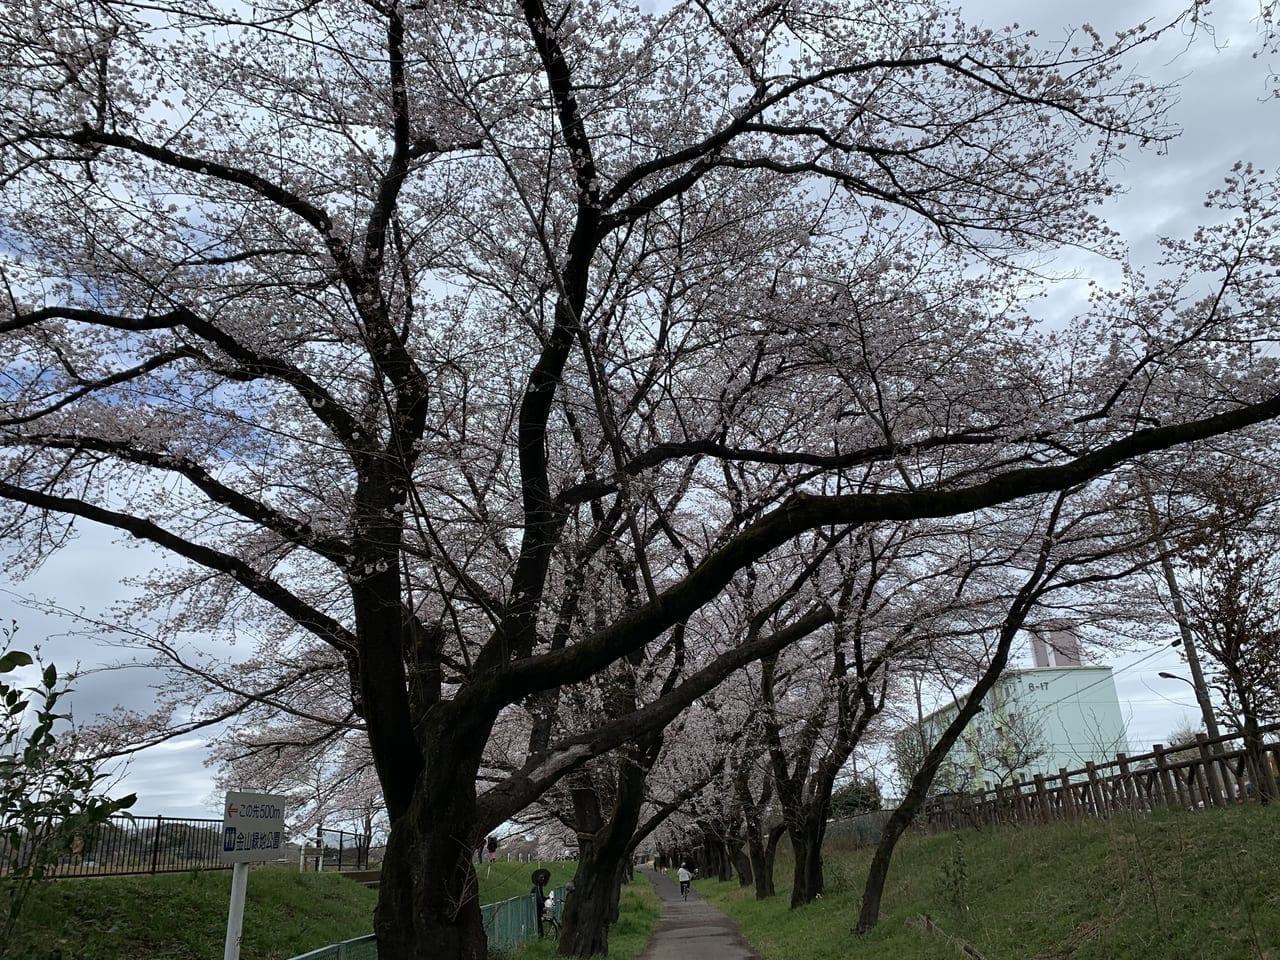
[[1228, 573], [1080, 549], [326, 773], [615, 803], [386, 320], [753, 789], [818, 698]]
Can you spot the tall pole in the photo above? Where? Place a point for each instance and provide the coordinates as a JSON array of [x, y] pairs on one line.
[[1184, 624]]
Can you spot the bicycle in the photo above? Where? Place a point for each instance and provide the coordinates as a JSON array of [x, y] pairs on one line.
[[551, 926], [684, 890]]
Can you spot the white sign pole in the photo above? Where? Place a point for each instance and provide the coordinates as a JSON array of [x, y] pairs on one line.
[[252, 831], [235, 915]]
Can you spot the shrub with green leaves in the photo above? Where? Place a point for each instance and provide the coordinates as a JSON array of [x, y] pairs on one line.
[[50, 793]]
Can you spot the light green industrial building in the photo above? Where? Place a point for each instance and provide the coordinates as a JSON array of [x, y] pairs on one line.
[[1055, 716]]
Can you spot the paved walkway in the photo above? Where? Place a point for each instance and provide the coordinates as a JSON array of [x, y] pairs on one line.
[[694, 930]]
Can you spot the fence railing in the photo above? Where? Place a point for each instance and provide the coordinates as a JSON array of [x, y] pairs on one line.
[[136, 845], [507, 924], [129, 845], [337, 850], [1208, 773], [359, 948]]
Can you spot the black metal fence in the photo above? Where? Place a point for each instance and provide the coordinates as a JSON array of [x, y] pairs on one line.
[[341, 850], [139, 845]]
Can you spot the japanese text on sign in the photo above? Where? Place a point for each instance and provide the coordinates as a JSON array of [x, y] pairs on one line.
[[252, 828]]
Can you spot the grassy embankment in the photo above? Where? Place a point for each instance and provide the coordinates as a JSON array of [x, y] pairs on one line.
[[184, 916], [638, 914], [1173, 886]]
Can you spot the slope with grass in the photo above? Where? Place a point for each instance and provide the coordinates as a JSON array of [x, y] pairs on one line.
[[1169, 885], [504, 880], [637, 919], [184, 916]]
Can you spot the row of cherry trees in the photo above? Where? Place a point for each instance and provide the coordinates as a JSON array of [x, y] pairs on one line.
[[509, 378]]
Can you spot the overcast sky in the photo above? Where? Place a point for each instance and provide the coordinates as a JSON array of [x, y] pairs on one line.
[[1224, 118]]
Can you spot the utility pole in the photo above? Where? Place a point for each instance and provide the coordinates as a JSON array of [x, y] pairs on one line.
[[1187, 640]]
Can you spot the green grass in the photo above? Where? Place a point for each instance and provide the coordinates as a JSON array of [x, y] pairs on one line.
[[184, 916], [502, 880], [1172, 885], [638, 916]]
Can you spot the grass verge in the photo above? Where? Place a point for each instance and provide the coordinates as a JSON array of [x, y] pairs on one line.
[[637, 918], [502, 881], [1173, 885], [184, 916]]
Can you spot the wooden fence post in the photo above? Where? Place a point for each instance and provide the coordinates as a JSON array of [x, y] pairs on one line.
[[1128, 787], [1100, 805], [1209, 765], [1162, 771], [1268, 787], [1068, 800], [1042, 800], [1271, 757]]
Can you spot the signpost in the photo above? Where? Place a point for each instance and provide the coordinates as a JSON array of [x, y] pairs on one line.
[[252, 831]]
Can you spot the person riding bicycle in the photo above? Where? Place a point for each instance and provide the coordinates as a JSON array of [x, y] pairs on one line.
[[684, 876]]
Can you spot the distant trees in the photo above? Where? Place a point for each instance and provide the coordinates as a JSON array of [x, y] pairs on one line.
[[1007, 745], [860, 794], [997, 745], [325, 772]]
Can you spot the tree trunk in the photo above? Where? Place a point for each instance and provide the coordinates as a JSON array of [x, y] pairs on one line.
[[587, 910], [765, 887], [724, 860], [743, 864], [755, 856], [604, 847], [1256, 759], [806, 841], [615, 896], [427, 902], [873, 891], [760, 864]]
